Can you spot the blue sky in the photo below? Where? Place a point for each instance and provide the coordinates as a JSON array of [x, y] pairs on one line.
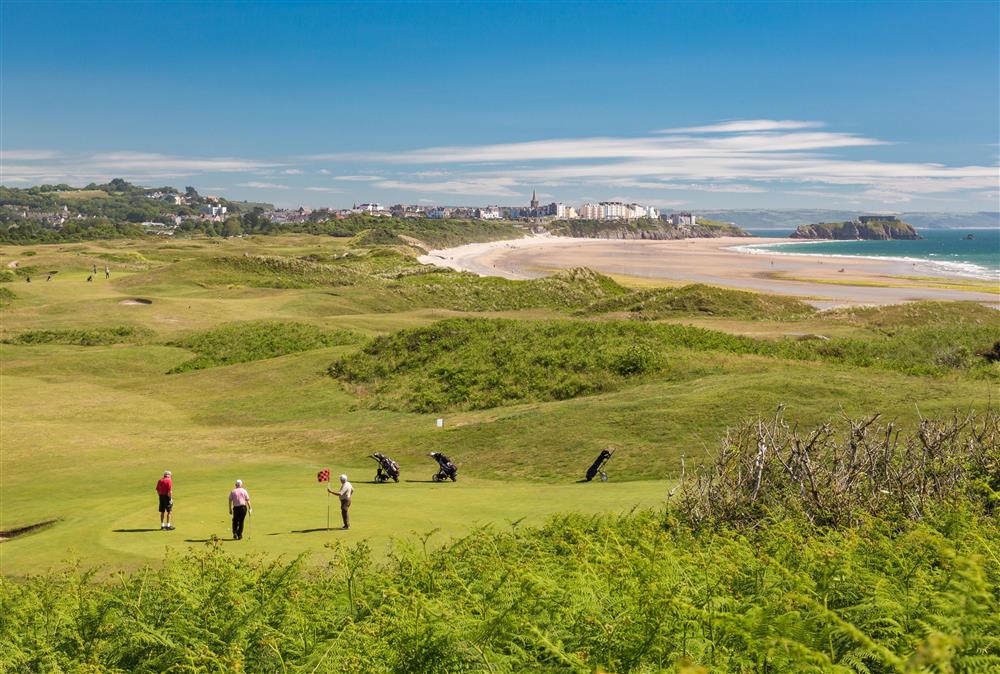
[[890, 106]]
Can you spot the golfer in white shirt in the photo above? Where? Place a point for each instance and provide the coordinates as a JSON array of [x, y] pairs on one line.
[[345, 493]]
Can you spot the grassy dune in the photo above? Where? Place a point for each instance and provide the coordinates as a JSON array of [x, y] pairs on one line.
[[91, 417]]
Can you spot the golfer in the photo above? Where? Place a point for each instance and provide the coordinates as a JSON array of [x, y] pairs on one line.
[[239, 506], [165, 491], [345, 493]]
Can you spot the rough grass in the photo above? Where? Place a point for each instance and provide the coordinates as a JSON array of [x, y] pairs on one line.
[[255, 340], [894, 317], [121, 334], [482, 363], [702, 300], [6, 297]]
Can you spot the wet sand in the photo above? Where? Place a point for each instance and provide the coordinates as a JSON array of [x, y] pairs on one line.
[[716, 262]]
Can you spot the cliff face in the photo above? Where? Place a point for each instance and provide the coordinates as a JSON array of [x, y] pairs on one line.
[[651, 231], [880, 230]]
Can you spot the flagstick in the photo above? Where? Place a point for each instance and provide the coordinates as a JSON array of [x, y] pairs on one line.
[[327, 508]]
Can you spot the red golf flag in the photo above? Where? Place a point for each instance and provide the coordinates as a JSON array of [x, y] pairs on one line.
[[323, 475]]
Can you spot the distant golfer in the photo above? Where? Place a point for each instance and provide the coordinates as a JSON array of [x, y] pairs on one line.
[[239, 506], [345, 493], [107, 272], [165, 491]]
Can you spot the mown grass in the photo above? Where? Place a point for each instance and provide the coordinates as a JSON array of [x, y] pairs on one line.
[[120, 334], [702, 300], [255, 340]]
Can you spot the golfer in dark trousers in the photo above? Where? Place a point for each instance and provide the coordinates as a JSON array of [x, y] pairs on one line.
[[345, 494], [239, 506], [165, 494]]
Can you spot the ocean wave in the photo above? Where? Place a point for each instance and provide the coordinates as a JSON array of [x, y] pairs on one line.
[[964, 269]]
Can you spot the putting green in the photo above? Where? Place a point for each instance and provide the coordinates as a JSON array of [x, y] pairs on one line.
[[290, 513]]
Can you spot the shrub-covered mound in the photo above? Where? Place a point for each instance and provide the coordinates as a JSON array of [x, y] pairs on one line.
[[255, 340], [471, 363], [893, 317], [702, 300], [6, 297], [120, 334], [468, 363], [462, 291]]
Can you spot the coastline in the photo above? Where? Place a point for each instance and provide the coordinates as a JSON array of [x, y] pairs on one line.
[[963, 270], [824, 280]]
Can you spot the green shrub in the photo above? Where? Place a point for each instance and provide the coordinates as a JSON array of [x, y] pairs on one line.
[[255, 340], [7, 276], [702, 300], [120, 334], [6, 297]]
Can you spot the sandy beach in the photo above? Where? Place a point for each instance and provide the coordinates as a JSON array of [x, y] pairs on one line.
[[824, 281]]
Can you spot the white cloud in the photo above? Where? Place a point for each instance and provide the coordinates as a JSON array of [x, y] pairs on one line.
[[263, 186], [293, 172], [27, 155], [324, 172], [498, 187], [361, 179], [322, 189], [747, 125]]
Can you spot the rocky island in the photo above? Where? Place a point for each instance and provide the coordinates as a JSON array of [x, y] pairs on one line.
[[873, 227]]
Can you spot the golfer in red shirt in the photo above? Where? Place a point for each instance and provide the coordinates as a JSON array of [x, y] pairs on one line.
[[165, 490]]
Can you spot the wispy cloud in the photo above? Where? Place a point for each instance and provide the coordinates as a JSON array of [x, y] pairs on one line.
[[53, 166], [262, 186], [27, 155], [359, 179], [493, 187], [293, 172], [322, 189], [747, 125]]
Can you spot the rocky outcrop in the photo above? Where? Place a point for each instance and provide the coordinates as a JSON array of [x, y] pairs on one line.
[[652, 232], [852, 230]]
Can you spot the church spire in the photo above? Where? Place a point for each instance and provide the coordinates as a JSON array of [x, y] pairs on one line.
[[534, 199]]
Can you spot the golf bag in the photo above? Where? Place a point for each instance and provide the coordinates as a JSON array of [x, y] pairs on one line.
[[387, 468], [446, 469], [597, 468]]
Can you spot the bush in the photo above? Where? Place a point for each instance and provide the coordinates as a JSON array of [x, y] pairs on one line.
[[255, 340], [702, 300], [121, 334]]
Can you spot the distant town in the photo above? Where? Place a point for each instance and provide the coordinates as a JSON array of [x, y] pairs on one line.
[[165, 211]]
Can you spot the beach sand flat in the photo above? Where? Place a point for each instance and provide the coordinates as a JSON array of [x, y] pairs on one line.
[[824, 281]]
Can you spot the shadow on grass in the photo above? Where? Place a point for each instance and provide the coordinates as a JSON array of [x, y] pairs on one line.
[[312, 531], [134, 531], [422, 481]]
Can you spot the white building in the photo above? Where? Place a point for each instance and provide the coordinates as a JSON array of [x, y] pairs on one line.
[[214, 210], [489, 213], [687, 219], [370, 208]]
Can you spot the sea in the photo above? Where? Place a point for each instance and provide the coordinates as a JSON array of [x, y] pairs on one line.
[[945, 251]]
